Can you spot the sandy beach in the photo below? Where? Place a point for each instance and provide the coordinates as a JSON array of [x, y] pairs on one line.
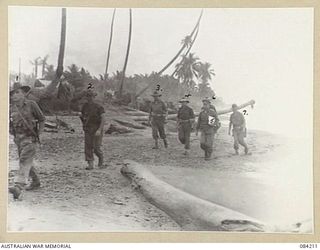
[[272, 184]]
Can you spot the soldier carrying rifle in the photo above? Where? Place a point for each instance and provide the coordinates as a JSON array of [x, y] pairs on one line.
[[26, 123]]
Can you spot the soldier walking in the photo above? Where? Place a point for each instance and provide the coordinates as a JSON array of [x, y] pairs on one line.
[[238, 125], [157, 119], [208, 124], [93, 119], [26, 123], [185, 120]]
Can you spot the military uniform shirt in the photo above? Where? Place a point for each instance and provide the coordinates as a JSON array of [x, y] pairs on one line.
[[237, 119], [203, 120], [158, 108], [91, 115], [185, 113], [30, 112]]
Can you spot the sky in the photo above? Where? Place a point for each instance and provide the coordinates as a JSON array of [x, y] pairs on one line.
[[261, 54]]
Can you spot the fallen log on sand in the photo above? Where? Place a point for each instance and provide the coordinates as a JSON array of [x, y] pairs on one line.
[[129, 124], [116, 128], [195, 214], [140, 118], [56, 125], [136, 113], [174, 116], [229, 110], [190, 212]]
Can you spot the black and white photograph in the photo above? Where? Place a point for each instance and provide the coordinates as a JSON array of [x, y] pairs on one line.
[[160, 119]]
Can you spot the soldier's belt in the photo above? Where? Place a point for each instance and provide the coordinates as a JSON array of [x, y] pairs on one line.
[[238, 128], [158, 115]]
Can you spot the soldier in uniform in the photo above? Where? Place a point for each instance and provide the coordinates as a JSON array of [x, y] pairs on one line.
[[93, 119], [157, 119], [185, 120], [238, 125], [208, 124], [26, 123]]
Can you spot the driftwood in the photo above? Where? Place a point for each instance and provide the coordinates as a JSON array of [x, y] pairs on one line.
[[193, 213], [116, 128], [229, 110], [56, 125], [50, 125], [190, 212], [136, 113], [129, 124], [140, 118]]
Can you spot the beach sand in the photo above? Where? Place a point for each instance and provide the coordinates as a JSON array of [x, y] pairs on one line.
[[272, 184]]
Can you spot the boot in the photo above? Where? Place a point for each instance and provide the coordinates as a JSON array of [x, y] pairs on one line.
[[35, 183], [165, 142], [186, 152], [17, 192], [236, 152], [205, 154], [90, 165], [100, 164], [209, 155], [156, 145]]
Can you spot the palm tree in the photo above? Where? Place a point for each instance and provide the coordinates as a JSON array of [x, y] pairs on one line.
[[127, 55], [59, 71], [49, 72], [44, 64], [189, 46], [187, 70], [205, 72], [35, 62], [205, 75], [186, 42], [110, 41]]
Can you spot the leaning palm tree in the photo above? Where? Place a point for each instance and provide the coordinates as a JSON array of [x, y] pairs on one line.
[[127, 55], [189, 47], [186, 42]]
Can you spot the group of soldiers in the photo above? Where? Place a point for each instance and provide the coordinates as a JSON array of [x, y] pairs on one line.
[[27, 123], [208, 124]]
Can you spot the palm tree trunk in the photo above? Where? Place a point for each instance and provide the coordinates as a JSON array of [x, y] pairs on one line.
[[59, 70], [62, 43], [110, 41], [36, 68], [175, 57], [127, 55]]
